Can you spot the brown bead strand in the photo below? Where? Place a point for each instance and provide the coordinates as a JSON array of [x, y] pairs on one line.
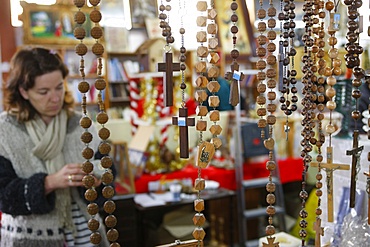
[[319, 68], [213, 73], [104, 147], [202, 111], [307, 112], [271, 118], [164, 22]]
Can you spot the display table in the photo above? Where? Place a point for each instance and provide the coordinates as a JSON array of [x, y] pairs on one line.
[[290, 171]]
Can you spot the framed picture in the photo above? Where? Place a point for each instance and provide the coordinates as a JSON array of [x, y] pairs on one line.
[[142, 10], [52, 25], [245, 40]]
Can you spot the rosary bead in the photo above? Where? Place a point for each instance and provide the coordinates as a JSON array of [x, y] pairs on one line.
[[104, 148], [261, 13], [95, 238], [303, 223], [93, 208], [330, 129], [95, 16], [107, 178], [109, 207], [108, 192], [318, 184], [88, 153], [80, 17], [106, 162], [110, 221], [270, 165], [270, 198], [356, 115], [270, 187], [93, 224], [87, 167], [112, 235], [88, 181], [319, 191], [91, 194]]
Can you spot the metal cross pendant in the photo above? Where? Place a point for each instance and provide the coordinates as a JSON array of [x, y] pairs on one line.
[[234, 76], [330, 167], [168, 67], [355, 152], [183, 122]]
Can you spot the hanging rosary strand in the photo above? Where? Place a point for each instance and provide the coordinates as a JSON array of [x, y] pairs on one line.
[[307, 112], [354, 50], [235, 75], [182, 120], [168, 67], [287, 52], [85, 122]]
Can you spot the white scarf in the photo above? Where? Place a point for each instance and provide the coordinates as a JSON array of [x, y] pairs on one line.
[[49, 141]]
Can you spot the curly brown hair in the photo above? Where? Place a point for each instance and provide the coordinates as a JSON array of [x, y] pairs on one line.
[[25, 66]]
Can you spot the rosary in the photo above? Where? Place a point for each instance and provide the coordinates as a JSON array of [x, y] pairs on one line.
[[85, 122], [354, 50]]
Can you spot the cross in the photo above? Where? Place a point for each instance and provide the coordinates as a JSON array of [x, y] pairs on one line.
[[234, 76], [319, 231], [168, 67], [356, 153], [270, 243], [367, 174], [330, 167], [183, 122]]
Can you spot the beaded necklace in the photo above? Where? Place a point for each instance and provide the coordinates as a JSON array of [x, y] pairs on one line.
[[85, 122]]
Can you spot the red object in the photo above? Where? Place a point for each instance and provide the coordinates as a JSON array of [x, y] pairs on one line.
[[290, 171]]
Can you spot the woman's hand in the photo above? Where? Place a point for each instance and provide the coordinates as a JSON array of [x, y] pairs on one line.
[[69, 176]]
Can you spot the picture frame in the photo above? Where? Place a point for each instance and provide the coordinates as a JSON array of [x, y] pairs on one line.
[[245, 41], [52, 25], [142, 10]]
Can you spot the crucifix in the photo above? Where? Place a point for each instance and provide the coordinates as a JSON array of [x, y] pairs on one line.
[[168, 67], [234, 76], [183, 122], [271, 242], [356, 153], [330, 167], [319, 231]]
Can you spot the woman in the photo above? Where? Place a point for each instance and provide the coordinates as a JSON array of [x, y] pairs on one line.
[[40, 156]]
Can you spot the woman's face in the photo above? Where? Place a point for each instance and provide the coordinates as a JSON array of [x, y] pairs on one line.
[[47, 95]]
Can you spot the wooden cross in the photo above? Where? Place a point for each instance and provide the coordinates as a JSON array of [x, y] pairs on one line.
[[330, 167], [368, 195], [356, 153], [183, 122], [168, 67], [234, 76], [319, 231], [271, 242]]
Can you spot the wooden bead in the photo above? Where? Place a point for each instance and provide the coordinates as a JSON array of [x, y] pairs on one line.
[[198, 205], [270, 165], [199, 219], [215, 129], [261, 13], [95, 16], [87, 167], [262, 39], [199, 233], [270, 210], [201, 67], [88, 153], [104, 148], [202, 51], [80, 17], [212, 43], [199, 184], [271, 119], [213, 101], [106, 162], [201, 95], [104, 133], [93, 208], [108, 192], [107, 178], [330, 129], [262, 123], [91, 194], [110, 221], [96, 32], [79, 33], [95, 238], [94, 2], [201, 36], [109, 206], [331, 80], [270, 230], [201, 111], [79, 3], [86, 137], [330, 92], [270, 187], [269, 143], [201, 21], [81, 49], [88, 181], [216, 142], [100, 84], [270, 199], [212, 13], [213, 72], [112, 235], [214, 116], [202, 5], [98, 49], [261, 100], [93, 224], [102, 118], [201, 125]]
